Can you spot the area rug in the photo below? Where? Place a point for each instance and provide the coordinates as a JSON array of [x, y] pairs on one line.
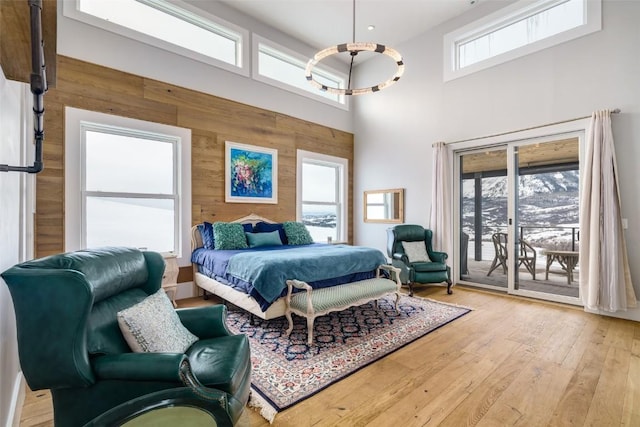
[[286, 370]]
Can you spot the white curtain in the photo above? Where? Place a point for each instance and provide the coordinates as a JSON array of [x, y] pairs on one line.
[[605, 279], [440, 221]]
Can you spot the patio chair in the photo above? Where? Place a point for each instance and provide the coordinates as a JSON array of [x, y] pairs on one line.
[[527, 255], [464, 246], [500, 249]]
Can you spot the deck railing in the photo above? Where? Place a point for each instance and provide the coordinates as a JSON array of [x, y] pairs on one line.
[[566, 237]]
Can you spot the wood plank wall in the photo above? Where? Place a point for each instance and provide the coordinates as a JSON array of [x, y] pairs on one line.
[[15, 39], [212, 121]]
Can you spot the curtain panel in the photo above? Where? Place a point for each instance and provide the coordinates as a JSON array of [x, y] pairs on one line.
[[440, 221], [605, 278]]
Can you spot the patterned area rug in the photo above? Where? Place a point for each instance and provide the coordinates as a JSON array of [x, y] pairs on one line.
[[288, 370]]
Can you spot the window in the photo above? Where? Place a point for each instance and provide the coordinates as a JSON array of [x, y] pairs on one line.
[[127, 188], [285, 69], [323, 195], [173, 26], [516, 31]]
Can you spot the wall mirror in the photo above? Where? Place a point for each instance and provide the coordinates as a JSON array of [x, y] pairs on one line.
[[386, 206]]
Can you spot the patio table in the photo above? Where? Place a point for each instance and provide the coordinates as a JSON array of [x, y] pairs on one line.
[[567, 260]]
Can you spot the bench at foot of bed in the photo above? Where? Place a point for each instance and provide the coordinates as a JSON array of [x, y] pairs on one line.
[[313, 303]]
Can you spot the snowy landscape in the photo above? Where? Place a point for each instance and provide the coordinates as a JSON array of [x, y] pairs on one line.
[[321, 225], [548, 208]]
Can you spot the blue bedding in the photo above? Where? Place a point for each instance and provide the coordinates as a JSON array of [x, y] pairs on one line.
[[262, 272]]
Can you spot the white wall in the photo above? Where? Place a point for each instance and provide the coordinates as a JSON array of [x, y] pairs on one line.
[[12, 244], [394, 129], [91, 44]]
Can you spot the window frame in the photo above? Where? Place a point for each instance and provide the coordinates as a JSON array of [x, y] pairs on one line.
[[507, 16], [288, 55], [77, 122], [71, 10], [342, 170]]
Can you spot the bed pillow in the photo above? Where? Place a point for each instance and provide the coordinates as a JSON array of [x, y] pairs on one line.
[[264, 239], [266, 227], [206, 231], [416, 251], [229, 235], [297, 233], [153, 326]]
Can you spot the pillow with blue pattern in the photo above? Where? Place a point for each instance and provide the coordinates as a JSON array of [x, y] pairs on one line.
[[297, 233], [229, 236]]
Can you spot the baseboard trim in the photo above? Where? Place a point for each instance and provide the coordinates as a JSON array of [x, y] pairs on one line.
[[17, 400], [630, 314]]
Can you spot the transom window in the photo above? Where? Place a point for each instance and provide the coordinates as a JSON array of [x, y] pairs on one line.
[[284, 68], [169, 25], [322, 195], [518, 30], [540, 25], [128, 186]]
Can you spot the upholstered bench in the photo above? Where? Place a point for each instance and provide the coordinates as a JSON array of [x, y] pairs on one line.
[[318, 302]]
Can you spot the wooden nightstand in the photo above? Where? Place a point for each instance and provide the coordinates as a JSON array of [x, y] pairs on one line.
[[170, 277]]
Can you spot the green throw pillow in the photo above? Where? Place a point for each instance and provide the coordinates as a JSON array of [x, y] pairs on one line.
[[264, 239], [228, 236], [297, 233]]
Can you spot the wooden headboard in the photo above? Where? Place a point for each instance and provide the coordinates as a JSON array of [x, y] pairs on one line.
[[253, 219]]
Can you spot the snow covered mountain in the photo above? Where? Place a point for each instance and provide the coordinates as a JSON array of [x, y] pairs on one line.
[[547, 208]]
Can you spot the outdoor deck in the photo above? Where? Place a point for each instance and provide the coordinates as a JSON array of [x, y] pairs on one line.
[[556, 284]]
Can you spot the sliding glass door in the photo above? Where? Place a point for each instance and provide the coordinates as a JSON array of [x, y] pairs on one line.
[[519, 217], [484, 199]]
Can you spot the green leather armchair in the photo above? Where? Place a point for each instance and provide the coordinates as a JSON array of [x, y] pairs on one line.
[[69, 340], [433, 271]]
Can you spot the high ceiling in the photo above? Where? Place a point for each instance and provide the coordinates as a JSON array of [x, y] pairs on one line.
[[323, 23]]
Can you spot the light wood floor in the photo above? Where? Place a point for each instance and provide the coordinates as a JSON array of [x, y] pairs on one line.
[[511, 361]]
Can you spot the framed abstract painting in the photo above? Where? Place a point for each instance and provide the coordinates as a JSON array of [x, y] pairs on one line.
[[251, 173]]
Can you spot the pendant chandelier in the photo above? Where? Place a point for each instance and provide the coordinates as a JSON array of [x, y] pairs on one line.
[[354, 48]]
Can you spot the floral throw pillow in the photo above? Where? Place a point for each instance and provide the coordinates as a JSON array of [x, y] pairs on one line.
[[297, 233], [229, 236], [416, 251]]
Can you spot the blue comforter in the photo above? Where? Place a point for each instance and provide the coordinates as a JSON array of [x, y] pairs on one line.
[[264, 271]]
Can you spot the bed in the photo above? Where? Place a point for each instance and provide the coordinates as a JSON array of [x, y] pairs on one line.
[[230, 274]]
